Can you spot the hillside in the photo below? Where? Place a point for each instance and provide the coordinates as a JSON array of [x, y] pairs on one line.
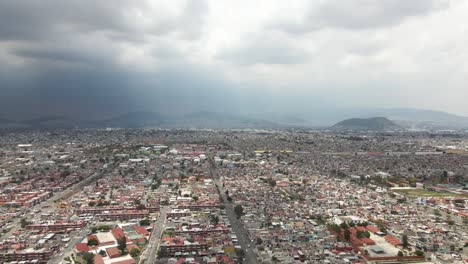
[[368, 124]]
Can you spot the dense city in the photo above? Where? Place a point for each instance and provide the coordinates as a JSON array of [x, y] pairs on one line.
[[127, 196]]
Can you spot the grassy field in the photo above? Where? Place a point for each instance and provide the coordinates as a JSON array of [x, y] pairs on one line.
[[426, 193]]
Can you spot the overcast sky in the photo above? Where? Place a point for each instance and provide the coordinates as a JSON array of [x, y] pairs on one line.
[[87, 57]]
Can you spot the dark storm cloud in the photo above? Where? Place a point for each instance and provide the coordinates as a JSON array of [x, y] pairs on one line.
[[68, 52], [29, 20], [52, 19], [48, 55], [359, 14], [93, 59]]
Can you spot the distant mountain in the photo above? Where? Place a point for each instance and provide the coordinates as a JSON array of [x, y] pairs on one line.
[[366, 124], [206, 119], [142, 119], [50, 122], [129, 120], [318, 117], [7, 123], [405, 117]]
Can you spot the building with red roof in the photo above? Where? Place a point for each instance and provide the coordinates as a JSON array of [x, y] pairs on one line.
[[113, 252], [98, 259], [82, 247], [117, 232], [126, 261]]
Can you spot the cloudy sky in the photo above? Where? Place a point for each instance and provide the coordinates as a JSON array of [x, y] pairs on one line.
[[90, 58]]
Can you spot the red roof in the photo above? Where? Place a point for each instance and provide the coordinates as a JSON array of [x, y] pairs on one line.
[[373, 229], [82, 247], [141, 230], [129, 247], [117, 232], [127, 261], [393, 240], [113, 252], [98, 259]]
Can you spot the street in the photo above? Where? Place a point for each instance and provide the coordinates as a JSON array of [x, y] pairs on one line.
[[237, 226], [155, 239]]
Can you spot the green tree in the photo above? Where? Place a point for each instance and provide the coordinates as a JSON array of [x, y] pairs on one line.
[[134, 252], [259, 241], [214, 219], [93, 242], [240, 252], [239, 210], [145, 222], [419, 253], [404, 240], [88, 257], [347, 234], [272, 182], [400, 254], [24, 222], [122, 244]]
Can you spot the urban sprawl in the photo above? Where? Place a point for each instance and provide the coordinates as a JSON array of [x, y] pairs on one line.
[[127, 196]]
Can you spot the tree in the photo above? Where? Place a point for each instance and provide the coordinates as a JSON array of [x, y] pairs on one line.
[[367, 234], [145, 222], [214, 219], [400, 254], [24, 222], [93, 242], [88, 257], [272, 182], [419, 253], [122, 244], [240, 252], [239, 210], [404, 239], [104, 228], [92, 203], [134, 252], [102, 253], [259, 241], [94, 230], [347, 234], [344, 225]]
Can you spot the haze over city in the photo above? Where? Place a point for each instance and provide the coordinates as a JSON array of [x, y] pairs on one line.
[[88, 59]]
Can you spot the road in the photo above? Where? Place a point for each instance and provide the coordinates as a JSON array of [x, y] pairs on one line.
[[237, 226], [150, 255], [66, 252]]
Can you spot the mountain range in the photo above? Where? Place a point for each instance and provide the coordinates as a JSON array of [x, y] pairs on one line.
[[367, 124], [413, 119]]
